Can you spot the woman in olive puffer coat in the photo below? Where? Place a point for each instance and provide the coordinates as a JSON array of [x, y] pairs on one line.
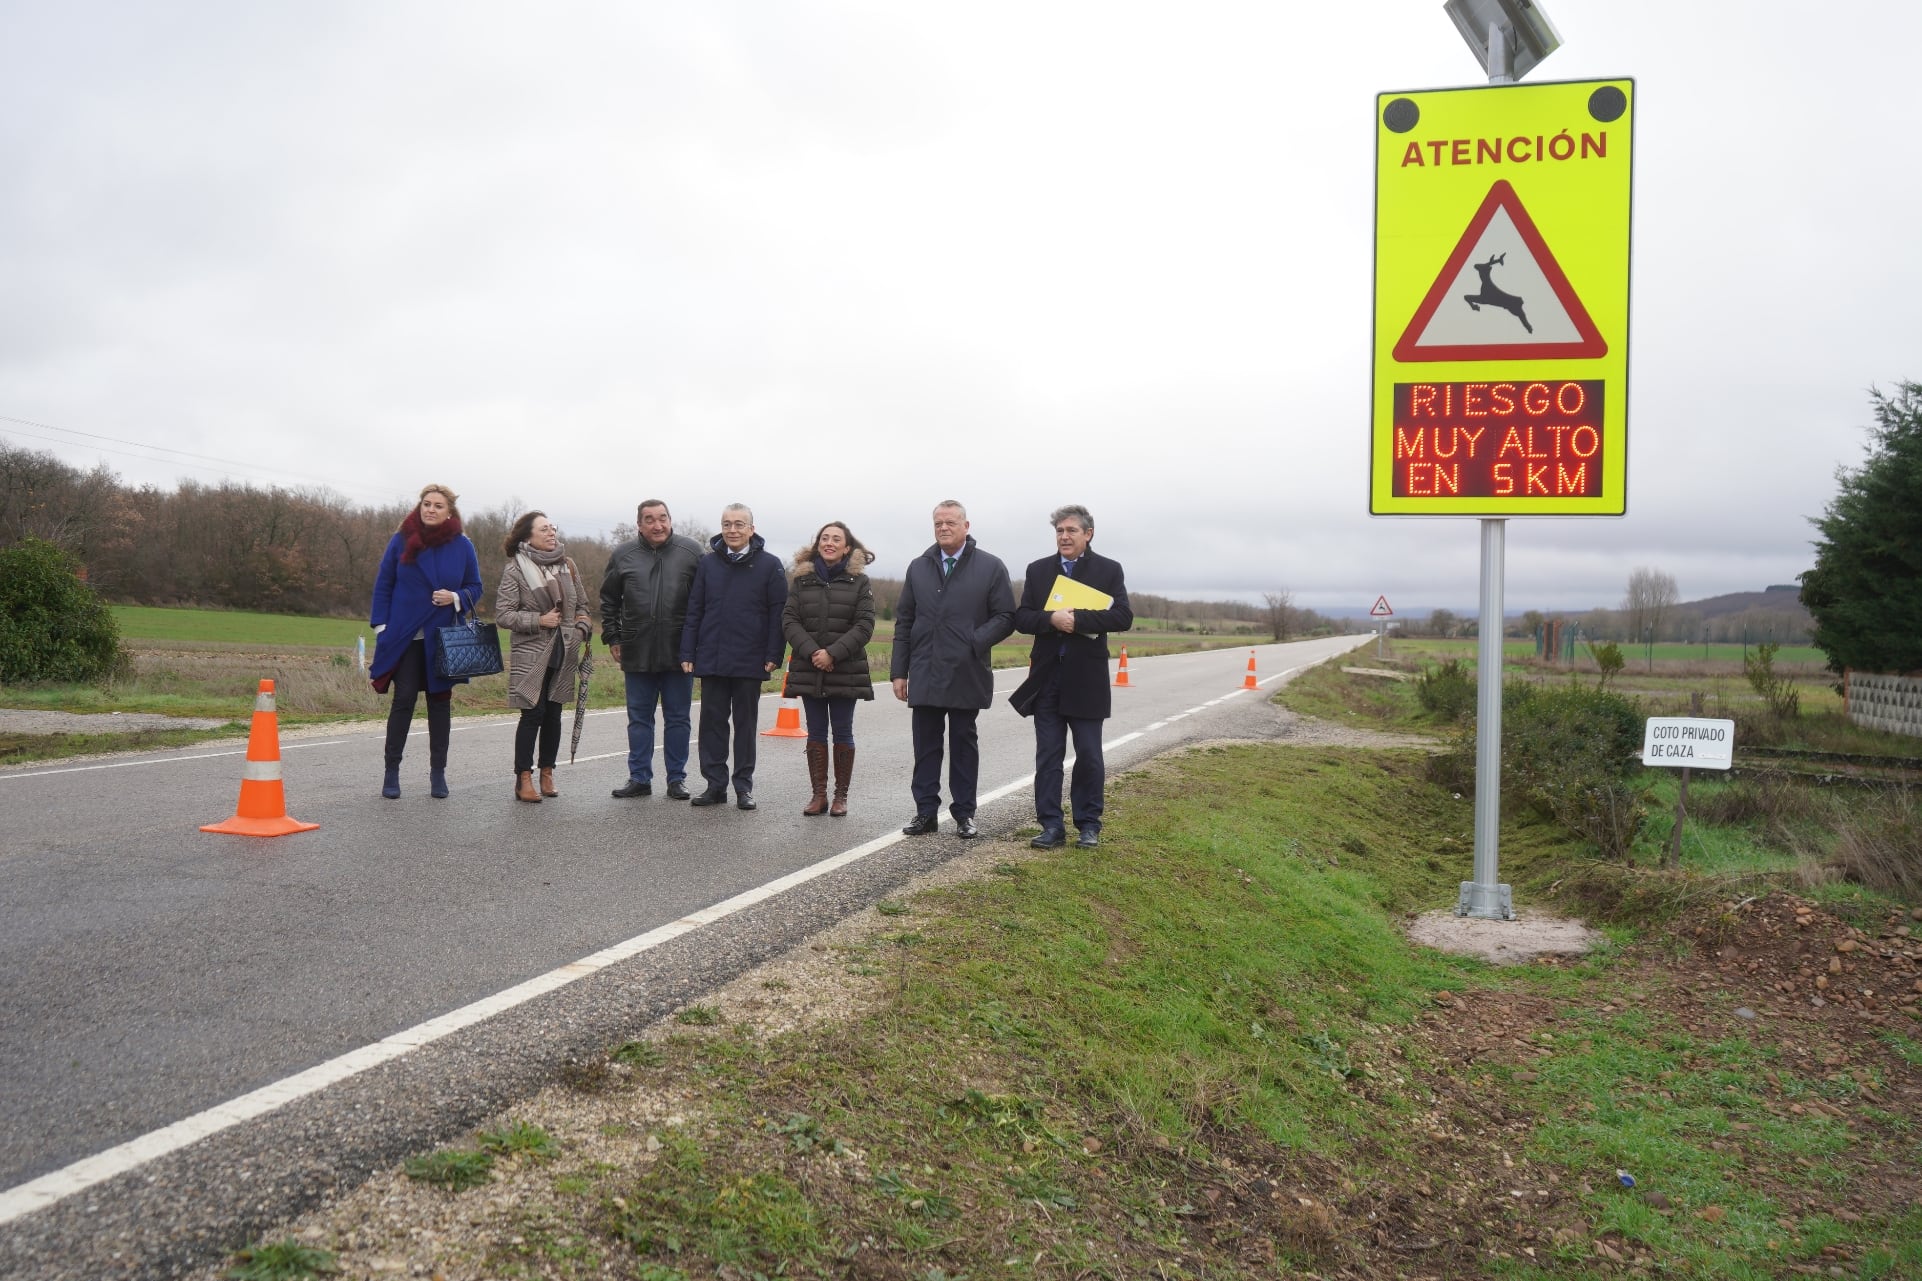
[[828, 621]]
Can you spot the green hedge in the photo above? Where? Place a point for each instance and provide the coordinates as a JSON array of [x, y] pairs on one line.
[[52, 625]]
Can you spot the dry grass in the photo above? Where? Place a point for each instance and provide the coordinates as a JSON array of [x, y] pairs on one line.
[[1880, 844]]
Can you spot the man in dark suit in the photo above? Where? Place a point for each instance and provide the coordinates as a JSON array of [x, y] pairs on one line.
[[1067, 689], [956, 603], [732, 640]]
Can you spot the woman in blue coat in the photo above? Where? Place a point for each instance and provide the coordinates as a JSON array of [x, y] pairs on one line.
[[428, 575]]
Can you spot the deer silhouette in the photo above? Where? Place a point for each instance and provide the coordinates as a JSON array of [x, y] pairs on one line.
[[1495, 297]]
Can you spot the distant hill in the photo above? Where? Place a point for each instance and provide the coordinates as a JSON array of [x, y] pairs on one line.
[[1782, 597], [1774, 612]]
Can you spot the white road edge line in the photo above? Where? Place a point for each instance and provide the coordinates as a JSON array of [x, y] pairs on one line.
[[48, 1189]]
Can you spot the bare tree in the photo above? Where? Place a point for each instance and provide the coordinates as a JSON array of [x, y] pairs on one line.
[[1442, 622], [1651, 595], [1280, 612]]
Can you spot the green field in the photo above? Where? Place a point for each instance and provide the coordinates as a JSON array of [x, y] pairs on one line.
[[1638, 656], [140, 623], [1821, 725]]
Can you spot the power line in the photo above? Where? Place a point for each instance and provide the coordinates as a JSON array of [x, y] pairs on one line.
[[168, 449]]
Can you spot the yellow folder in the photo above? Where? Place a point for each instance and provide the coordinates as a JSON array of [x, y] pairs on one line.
[[1067, 593]]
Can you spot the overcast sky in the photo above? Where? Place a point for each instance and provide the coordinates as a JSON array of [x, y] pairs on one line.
[[842, 260]]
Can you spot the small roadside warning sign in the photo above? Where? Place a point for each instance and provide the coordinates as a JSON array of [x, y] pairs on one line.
[[1518, 302], [1381, 609]]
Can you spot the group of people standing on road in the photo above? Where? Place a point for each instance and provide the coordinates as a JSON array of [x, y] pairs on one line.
[[673, 611]]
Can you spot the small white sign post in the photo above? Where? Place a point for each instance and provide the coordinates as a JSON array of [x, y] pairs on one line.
[[1686, 743], [1381, 613]]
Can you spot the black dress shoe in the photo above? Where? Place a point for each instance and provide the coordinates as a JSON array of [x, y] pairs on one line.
[[677, 791], [921, 825], [632, 788], [743, 799], [1090, 838], [965, 829], [712, 796], [1052, 838]]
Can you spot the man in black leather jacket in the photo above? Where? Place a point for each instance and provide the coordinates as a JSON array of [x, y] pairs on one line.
[[643, 606]]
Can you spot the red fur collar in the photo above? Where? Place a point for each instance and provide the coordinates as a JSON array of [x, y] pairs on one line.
[[420, 536]]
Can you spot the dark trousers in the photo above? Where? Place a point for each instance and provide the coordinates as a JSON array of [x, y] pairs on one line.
[[410, 681], [823, 712], [542, 719], [1051, 731], [725, 698], [964, 759]]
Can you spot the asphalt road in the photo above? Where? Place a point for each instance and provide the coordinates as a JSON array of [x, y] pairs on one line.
[[150, 972]]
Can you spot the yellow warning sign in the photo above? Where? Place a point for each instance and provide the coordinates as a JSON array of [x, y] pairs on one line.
[[1501, 300]]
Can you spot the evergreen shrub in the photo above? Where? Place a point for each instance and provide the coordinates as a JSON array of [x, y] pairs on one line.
[[53, 627]]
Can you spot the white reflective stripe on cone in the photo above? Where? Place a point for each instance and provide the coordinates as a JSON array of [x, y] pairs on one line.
[[264, 702], [260, 771]]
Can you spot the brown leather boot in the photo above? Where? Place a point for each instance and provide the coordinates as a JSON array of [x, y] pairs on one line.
[[547, 781], [524, 787], [843, 771], [818, 779]]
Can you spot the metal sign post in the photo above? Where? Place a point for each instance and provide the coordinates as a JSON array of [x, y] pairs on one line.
[[1485, 896], [1501, 325]]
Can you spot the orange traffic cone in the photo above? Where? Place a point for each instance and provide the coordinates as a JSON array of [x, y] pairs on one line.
[[263, 807], [1248, 681], [787, 721], [1121, 673]]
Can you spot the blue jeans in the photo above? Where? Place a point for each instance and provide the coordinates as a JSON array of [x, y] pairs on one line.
[[674, 691]]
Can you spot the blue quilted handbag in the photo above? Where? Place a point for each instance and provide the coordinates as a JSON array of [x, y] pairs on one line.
[[468, 648]]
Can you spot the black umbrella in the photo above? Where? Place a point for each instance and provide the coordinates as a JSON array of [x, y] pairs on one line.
[[580, 697]]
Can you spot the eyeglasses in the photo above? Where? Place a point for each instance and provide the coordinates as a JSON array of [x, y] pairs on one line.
[[734, 524]]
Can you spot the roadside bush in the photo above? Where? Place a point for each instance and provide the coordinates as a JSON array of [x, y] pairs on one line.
[[1571, 754], [1446, 692], [1779, 692], [1609, 661], [53, 627]]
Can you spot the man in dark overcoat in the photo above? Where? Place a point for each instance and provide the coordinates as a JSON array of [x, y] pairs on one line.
[[956, 603], [643, 608], [732, 640], [1067, 691]]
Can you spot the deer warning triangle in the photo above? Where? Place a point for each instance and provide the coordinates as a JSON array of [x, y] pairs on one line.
[[1500, 296]]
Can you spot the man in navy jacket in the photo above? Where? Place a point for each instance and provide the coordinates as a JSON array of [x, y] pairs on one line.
[[956, 603], [1067, 689], [732, 640]]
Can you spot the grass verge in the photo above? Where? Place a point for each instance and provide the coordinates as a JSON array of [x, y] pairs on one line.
[[1209, 1052]]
